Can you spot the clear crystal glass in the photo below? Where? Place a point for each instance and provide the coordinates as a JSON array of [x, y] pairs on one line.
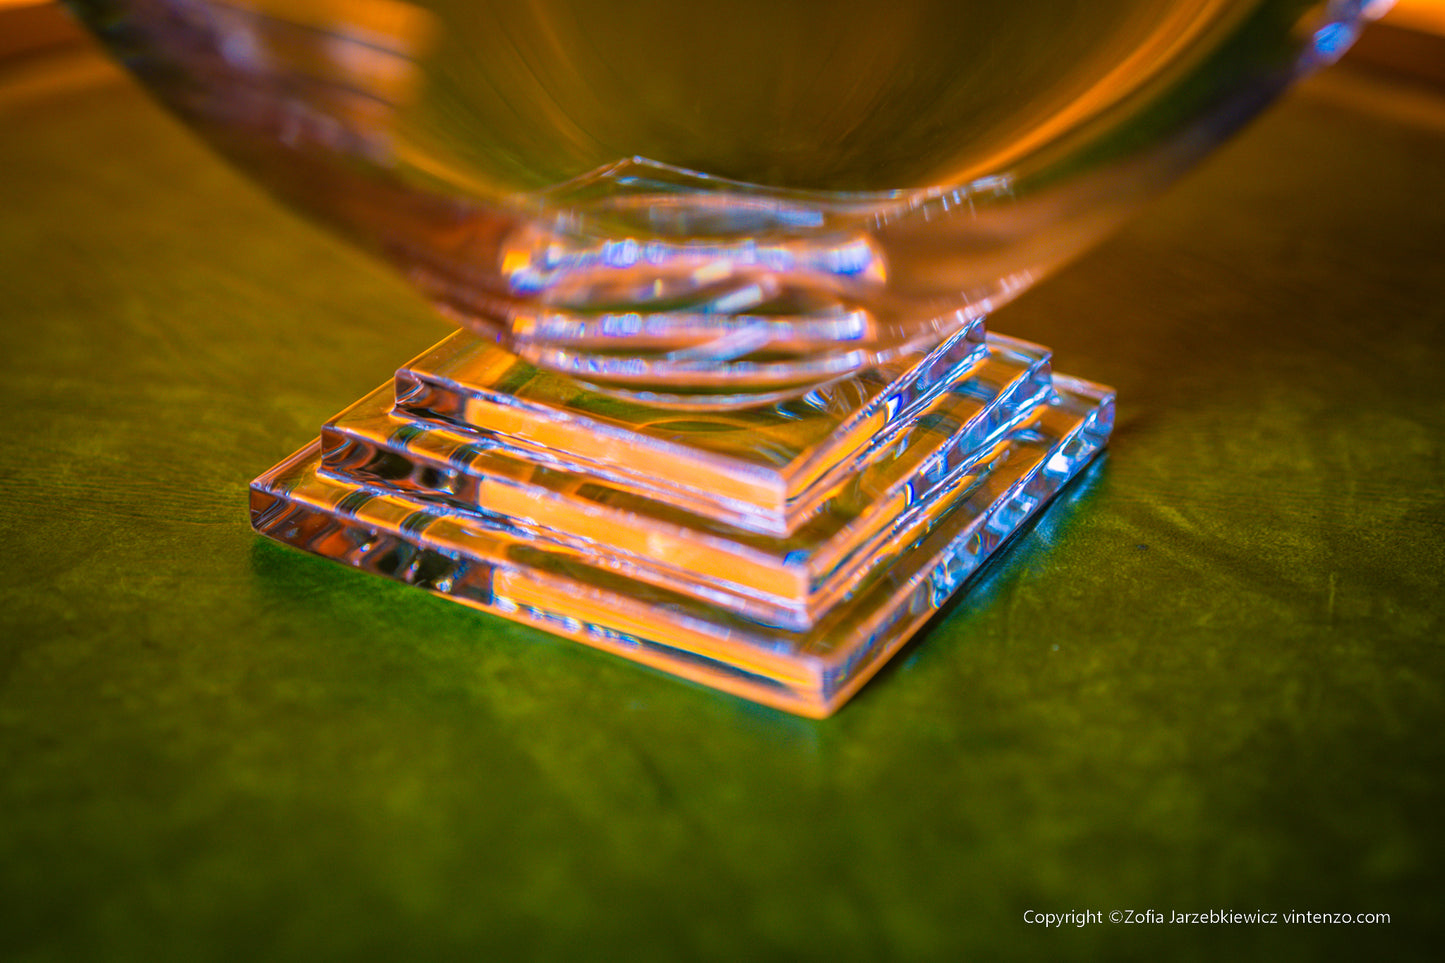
[[718, 199], [726, 404]]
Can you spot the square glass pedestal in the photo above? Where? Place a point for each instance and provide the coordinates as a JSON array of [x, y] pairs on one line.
[[781, 553]]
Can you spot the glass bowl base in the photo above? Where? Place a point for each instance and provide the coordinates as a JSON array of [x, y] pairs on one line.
[[781, 553]]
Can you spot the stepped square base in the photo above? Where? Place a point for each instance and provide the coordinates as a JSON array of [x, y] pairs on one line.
[[781, 553]]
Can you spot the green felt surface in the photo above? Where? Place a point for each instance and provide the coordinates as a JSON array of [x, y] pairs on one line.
[[1212, 678]]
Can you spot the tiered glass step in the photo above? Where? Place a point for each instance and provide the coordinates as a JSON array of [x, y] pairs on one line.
[[781, 553]]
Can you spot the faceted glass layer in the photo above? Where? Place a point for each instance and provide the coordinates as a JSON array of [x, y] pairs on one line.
[[781, 553]]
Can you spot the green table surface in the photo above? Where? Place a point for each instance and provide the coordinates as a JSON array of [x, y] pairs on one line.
[[1211, 679]]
